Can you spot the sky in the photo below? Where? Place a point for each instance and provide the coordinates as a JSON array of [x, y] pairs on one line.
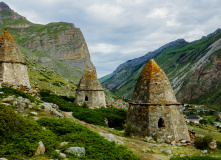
[[120, 30]]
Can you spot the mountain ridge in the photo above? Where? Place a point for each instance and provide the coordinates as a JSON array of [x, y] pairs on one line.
[[181, 63]]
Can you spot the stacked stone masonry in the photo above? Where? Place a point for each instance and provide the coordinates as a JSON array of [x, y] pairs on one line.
[[90, 91], [12, 66], [154, 109]]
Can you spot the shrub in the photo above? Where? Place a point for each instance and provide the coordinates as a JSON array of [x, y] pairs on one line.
[[8, 91], [218, 145], [77, 135], [129, 130], [20, 136], [116, 117], [203, 142]]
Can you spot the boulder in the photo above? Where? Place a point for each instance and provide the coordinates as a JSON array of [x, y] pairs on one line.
[[167, 151], [63, 155], [3, 159], [178, 144], [110, 137], [48, 107], [183, 141], [173, 143], [34, 113], [204, 151], [79, 151], [8, 99], [167, 141], [40, 149], [63, 143]]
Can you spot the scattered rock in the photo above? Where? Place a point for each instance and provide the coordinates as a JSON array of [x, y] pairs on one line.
[[80, 151], [63, 155], [8, 99], [167, 141], [63, 143], [173, 143], [110, 137], [204, 151], [34, 113], [182, 155], [40, 149], [167, 151], [178, 144], [35, 118], [183, 141], [48, 107]]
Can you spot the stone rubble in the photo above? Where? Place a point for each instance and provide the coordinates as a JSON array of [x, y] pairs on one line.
[[30, 90]]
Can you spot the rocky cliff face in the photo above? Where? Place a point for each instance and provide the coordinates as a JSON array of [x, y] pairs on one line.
[[62, 41], [58, 46], [192, 68]]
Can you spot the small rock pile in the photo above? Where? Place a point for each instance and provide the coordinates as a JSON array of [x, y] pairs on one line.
[[193, 134], [22, 104], [184, 143], [31, 90]]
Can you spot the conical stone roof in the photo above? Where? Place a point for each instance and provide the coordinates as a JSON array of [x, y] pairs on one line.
[[89, 82], [153, 86], [9, 51]]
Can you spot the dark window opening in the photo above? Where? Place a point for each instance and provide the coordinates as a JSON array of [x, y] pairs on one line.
[[86, 98], [161, 123]]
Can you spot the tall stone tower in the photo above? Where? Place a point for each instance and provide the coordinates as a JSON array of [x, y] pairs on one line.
[[154, 109], [90, 91], [12, 66]]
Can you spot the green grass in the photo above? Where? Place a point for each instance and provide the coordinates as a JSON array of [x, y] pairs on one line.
[[215, 135], [19, 136], [116, 117], [8, 91], [195, 158]]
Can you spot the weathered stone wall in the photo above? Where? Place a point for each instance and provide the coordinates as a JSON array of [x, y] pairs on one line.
[[15, 73], [146, 120], [95, 99]]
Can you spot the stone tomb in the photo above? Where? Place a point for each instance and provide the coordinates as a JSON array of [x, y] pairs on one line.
[[154, 110], [12, 66], [90, 91]]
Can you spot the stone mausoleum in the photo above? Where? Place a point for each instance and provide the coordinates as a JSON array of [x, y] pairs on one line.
[[12, 66], [90, 91], [154, 110]]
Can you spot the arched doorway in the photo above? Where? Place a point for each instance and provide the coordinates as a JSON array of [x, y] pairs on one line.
[[86, 98], [161, 123]]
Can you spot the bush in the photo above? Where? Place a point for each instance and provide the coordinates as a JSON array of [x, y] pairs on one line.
[[8, 91], [218, 145], [129, 130], [116, 117], [203, 142], [20, 136], [77, 135]]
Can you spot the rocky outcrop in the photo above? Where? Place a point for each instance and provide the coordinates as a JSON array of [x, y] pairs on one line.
[[18, 26], [62, 41]]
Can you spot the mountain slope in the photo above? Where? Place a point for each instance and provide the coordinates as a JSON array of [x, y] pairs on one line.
[[60, 46], [193, 70]]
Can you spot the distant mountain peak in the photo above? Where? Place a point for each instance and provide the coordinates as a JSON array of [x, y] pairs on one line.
[[4, 7]]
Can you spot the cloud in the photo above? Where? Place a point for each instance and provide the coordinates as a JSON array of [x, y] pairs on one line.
[[119, 30]]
